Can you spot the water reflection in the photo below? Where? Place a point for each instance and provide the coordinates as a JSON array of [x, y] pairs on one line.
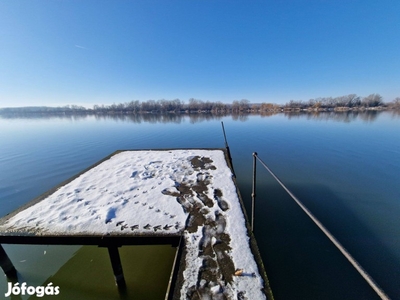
[[368, 116], [146, 269], [395, 114], [345, 116]]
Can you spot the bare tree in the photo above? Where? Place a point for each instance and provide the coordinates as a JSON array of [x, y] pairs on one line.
[[395, 104], [372, 100], [235, 106], [244, 105], [353, 100]]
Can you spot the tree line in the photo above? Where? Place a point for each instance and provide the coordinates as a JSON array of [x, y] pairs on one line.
[[176, 105], [351, 101], [341, 103]]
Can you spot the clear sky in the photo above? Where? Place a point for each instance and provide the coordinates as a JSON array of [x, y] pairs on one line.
[[100, 52]]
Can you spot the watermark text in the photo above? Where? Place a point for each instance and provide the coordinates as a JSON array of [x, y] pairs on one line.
[[39, 291]]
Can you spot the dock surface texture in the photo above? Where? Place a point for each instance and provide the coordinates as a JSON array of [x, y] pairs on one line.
[[157, 193]]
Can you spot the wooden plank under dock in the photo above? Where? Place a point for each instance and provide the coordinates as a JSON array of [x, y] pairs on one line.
[[185, 197]]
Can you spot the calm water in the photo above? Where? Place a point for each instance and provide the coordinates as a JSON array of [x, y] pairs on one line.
[[344, 167]]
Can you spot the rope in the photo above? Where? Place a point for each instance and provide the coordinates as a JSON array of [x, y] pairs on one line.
[[355, 264]]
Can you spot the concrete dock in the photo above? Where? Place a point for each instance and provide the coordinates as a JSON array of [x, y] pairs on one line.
[[187, 198]]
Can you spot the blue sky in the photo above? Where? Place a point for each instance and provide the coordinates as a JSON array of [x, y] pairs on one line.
[[100, 52]]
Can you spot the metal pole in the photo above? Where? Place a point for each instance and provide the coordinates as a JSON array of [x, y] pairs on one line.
[[117, 267], [6, 264], [253, 193], [223, 130], [227, 149]]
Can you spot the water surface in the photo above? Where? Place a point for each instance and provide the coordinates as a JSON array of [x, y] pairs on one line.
[[344, 167]]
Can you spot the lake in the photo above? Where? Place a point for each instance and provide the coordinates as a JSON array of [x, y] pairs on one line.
[[343, 166]]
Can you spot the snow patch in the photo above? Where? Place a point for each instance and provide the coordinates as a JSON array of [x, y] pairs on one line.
[[174, 192]]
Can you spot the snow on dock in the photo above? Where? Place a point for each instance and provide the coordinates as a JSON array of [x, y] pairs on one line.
[[159, 193]]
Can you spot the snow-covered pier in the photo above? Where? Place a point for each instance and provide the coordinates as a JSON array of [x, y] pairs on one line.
[[184, 197]]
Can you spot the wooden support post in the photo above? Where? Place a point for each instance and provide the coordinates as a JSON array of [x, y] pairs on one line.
[[253, 193], [6, 264], [116, 266]]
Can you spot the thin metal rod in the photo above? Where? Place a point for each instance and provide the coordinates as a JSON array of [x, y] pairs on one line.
[[253, 192], [223, 130], [351, 259], [227, 149]]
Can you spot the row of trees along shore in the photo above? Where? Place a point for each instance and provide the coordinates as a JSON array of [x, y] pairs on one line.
[[342, 103]]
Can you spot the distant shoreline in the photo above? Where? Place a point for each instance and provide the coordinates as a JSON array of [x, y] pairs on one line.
[[350, 102], [56, 111]]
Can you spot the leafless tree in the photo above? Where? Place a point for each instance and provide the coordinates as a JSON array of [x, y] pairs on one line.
[[372, 100]]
